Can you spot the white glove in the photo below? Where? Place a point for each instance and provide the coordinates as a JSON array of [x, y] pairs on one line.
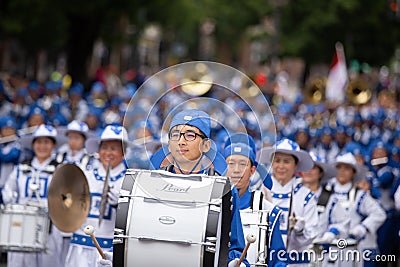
[[359, 231], [105, 263], [327, 238], [112, 196], [233, 263], [300, 223]]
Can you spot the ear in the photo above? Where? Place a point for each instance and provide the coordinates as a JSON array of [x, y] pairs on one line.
[[205, 145], [252, 170]]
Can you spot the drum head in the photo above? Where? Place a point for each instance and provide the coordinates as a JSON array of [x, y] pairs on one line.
[[68, 198]]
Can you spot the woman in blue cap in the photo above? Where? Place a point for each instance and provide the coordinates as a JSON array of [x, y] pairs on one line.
[[241, 159]]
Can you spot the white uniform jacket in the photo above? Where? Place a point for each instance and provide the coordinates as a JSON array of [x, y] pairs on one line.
[[303, 205]]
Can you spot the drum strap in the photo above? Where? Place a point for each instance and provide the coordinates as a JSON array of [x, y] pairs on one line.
[[256, 200], [225, 229], [324, 197]]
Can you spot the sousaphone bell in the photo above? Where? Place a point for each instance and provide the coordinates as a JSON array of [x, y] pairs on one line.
[[196, 81], [358, 92], [68, 198]]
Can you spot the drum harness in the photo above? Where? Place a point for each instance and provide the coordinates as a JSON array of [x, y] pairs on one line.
[[25, 168], [264, 224]]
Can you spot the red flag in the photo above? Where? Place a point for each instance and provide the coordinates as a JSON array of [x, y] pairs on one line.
[[337, 77]]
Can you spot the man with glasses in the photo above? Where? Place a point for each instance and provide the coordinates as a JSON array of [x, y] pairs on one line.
[[188, 143]]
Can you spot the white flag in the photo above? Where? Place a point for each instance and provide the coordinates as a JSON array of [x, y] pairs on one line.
[[337, 78]]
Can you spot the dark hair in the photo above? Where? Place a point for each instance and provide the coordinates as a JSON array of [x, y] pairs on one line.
[[296, 160], [51, 138]]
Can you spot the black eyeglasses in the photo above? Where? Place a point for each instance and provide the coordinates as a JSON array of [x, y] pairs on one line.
[[189, 136]]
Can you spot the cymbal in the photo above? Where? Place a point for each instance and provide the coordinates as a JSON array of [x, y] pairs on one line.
[[68, 198]]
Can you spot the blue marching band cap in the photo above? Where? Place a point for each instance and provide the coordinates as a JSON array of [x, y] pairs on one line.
[[243, 144], [195, 118], [8, 121], [240, 149]]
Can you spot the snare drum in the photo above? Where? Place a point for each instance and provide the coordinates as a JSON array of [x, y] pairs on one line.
[[172, 220], [257, 223], [23, 228]]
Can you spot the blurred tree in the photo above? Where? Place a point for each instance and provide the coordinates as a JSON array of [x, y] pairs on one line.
[[64, 25], [308, 29], [311, 28]]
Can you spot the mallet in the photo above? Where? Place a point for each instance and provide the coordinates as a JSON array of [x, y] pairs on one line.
[[250, 239], [89, 230]]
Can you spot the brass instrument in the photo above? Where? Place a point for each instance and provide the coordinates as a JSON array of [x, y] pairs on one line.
[[358, 92], [197, 81], [249, 89], [315, 91], [68, 198]]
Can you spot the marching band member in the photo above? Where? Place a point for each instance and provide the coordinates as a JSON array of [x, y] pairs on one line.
[[241, 160], [299, 220], [331, 215], [9, 150], [74, 151], [189, 134], [28, 183], [333, 222], [110, 147], [381, 168], [365, 214]]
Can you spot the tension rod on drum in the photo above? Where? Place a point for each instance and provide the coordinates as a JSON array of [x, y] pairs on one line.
[[180, 242], [183, 203]]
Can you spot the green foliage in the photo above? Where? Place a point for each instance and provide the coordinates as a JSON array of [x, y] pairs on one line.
[[311, 28], [308, 28]]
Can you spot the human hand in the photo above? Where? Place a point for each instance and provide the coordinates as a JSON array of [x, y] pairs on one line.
[[105, 262], [300, 223], [326, 238], [358, 232], [112, 196], [234, 262]]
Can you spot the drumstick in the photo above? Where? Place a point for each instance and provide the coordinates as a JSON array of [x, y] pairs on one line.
[[250, 239], [89, 230]]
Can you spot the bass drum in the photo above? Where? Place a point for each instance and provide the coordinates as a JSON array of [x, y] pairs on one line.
[[171, 220]]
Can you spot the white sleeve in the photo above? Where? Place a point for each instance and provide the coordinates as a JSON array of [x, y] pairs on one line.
[[376, 215], [10, 192], [397, 198], [310, 231]]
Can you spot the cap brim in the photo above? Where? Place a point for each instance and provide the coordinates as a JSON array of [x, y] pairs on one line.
[[92, 145], [305, 161], [264, 176], [62, 130], [360, 173], [329, 171], [26, 141]]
